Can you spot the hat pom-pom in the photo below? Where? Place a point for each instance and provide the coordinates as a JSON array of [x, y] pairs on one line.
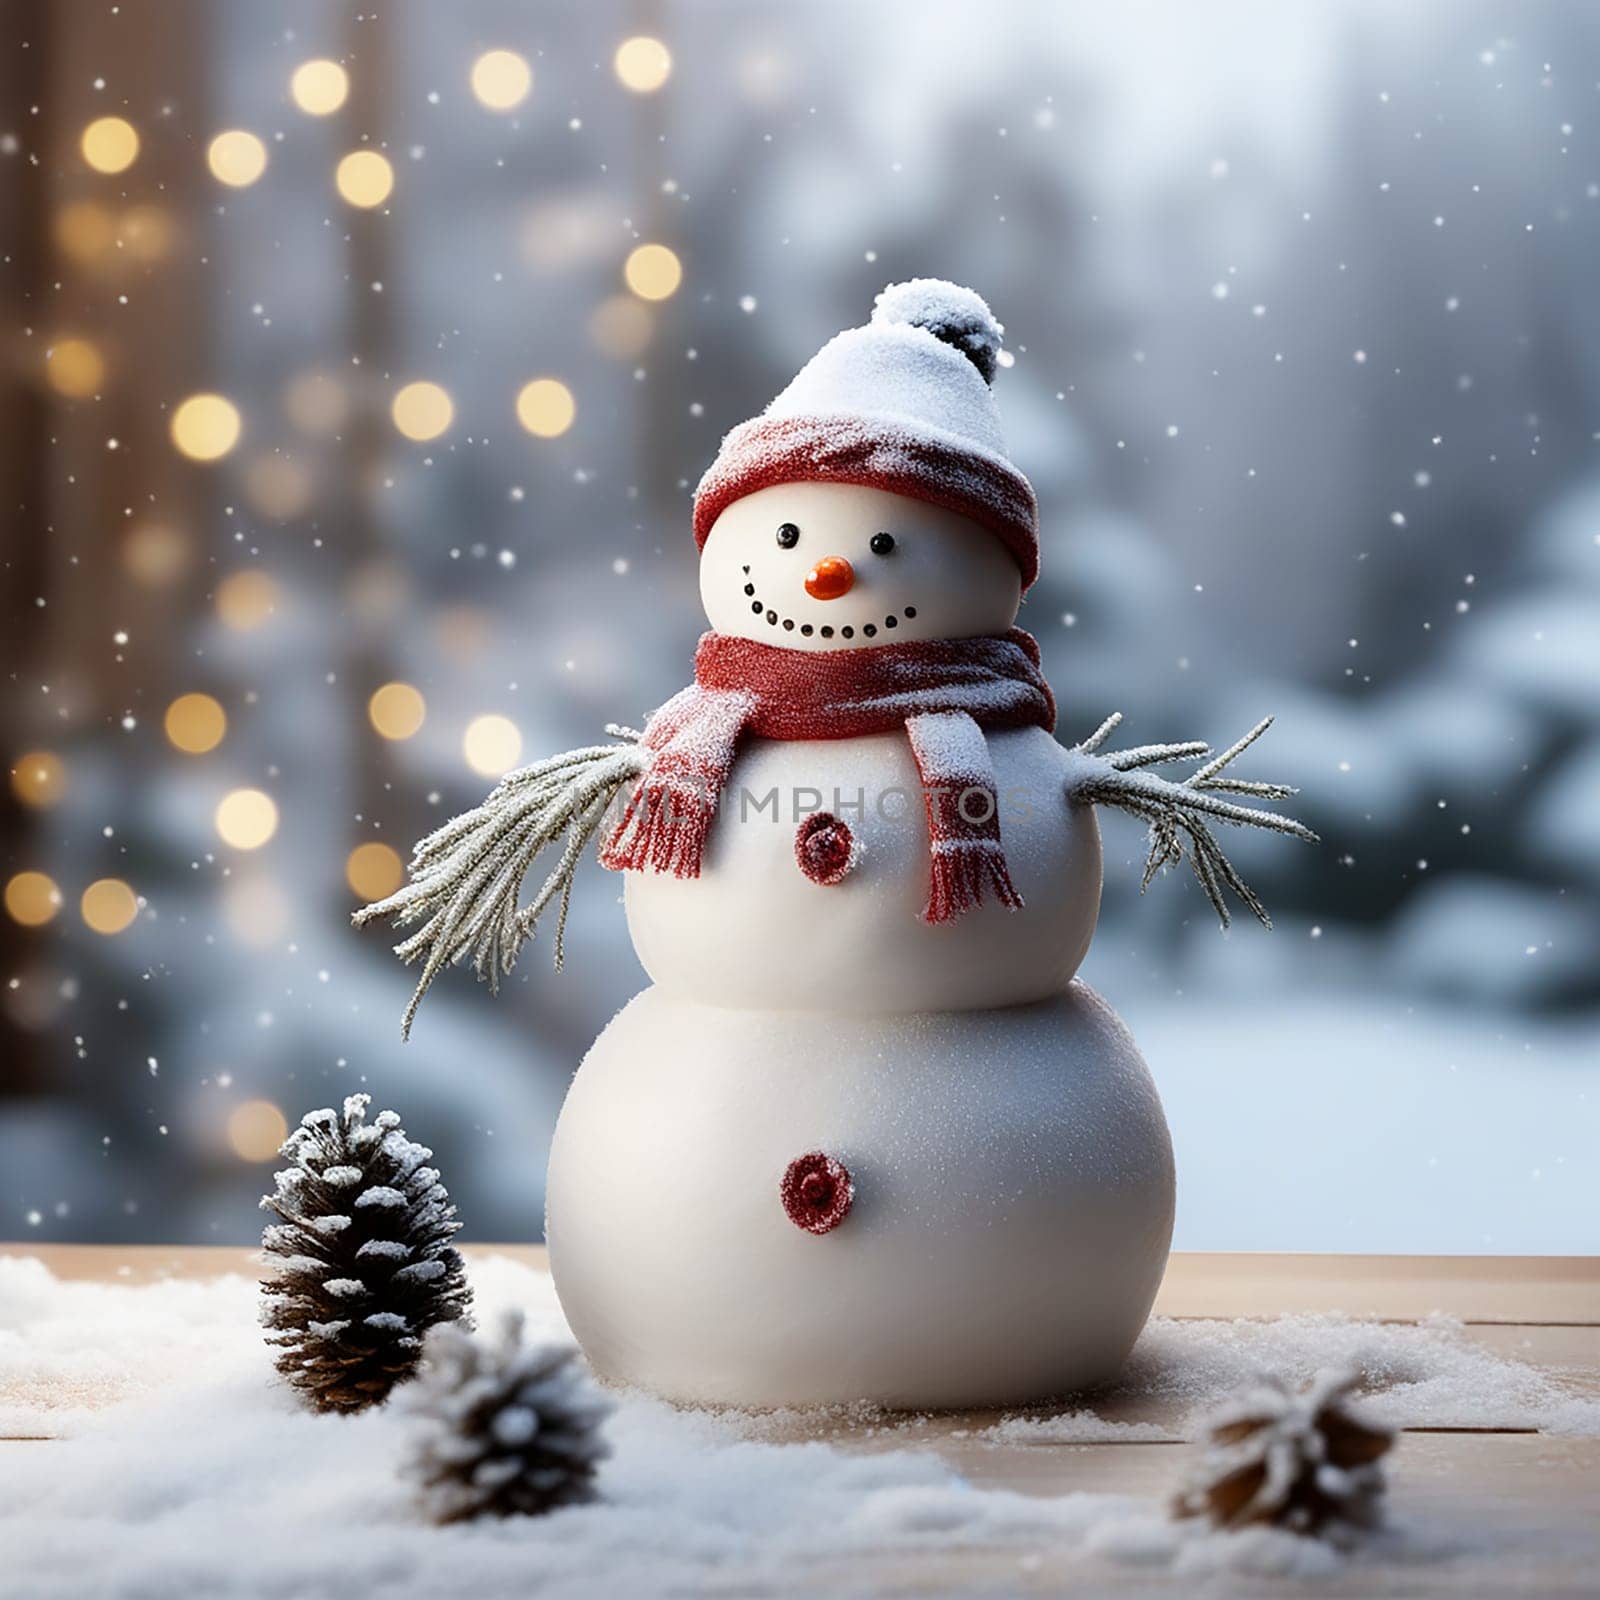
[[950, 313]]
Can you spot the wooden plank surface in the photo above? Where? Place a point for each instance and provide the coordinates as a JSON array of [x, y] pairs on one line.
[[1508, 1289], [1513, 1290]]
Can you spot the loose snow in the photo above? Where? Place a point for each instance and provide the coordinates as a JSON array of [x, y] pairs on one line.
[[182, 1466]]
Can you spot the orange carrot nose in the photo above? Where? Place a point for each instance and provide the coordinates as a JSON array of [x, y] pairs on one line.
[[830, 578]]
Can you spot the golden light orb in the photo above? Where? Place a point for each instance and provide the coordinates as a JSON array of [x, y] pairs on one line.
[[642, 64], [39, 779], [491, 745], [501, 79], [110, 144], [205, 427], [364, 178], [85, 231], [256, 1130], [653, 272], [195, 723], [146, 233], [245, 600], [155, 554], [74, 368], [246, 818], [463, 632], [278, 486], [319, 87], [373, 870], [546, 408], [236, 158], [422, 410], [397, 710], [621, 327], [256, 908], [32, 899], [316, 402], [108, 906]]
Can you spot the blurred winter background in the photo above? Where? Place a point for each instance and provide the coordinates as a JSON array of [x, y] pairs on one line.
[[359, 363]]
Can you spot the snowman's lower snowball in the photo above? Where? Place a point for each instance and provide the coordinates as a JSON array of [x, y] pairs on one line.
[[1013, 1197]]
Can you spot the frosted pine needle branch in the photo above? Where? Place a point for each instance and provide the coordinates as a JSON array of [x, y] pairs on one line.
[[465, 879], [1180, 814]]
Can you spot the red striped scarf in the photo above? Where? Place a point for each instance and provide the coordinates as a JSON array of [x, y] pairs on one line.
[[943, 692]]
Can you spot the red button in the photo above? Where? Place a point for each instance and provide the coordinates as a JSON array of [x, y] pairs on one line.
[[825, 848], [817, 1192]]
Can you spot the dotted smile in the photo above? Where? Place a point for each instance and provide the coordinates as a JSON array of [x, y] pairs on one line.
[[827, 630]]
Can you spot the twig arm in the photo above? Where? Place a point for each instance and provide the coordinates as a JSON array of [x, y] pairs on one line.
[[1183, 811], [466, 877]]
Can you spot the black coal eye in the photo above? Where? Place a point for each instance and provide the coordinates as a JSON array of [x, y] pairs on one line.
[[788, 536], [882, 543]]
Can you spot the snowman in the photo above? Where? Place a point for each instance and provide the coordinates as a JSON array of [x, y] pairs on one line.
[[866, 1137]]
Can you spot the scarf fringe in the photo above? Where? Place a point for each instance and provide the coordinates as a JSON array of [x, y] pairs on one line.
[[663, 829], [963, 872]]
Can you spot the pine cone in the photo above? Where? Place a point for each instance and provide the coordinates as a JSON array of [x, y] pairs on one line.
[[1296, 1460], [507, 1429], [361, 1260]]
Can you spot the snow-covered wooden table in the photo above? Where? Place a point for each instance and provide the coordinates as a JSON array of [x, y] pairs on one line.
[[1538, 1491]]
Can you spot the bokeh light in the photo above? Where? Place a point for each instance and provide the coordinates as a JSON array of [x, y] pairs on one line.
[[621, 327], [205, 427], [397, 710], [195, 723], [319, 87], [642, 64], [373, 870], [653, 272], [501, 79], [316, 402], [32, 899], [145, 233], [39, 779], [278, 486], [85, 231], [108, 906], [155, 555], [565, 232], [491, 745], [246, 600], [546, 408], [463, 632], [378, 592], [364, 178], [256, 908], [422, 410], [110, 144], [256, 1130], [236, 158], [74, 368], [246, 818]]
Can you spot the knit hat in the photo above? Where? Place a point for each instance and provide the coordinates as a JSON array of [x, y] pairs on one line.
[[902, 404]]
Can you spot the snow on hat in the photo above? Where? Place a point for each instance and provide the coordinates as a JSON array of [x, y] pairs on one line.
[[902, 404]]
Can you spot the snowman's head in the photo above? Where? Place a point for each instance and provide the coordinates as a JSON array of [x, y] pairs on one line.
[[873, 500], [840, 566]]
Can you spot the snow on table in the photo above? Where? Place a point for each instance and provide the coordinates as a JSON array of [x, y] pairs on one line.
[[147, 1449]]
